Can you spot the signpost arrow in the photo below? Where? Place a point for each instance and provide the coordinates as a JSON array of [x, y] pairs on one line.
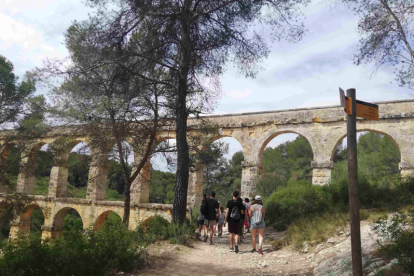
[[365, 110]]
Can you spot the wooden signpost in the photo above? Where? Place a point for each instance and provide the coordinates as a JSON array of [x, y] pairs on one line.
[[355, 108], [365, 110]]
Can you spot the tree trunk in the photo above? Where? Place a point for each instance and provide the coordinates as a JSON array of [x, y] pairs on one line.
[[127, 204], [183, 160]]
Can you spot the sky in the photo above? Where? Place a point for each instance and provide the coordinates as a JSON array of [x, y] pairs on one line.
[[303, 74]]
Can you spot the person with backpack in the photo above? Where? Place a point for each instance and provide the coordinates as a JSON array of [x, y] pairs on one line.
[[257, 224], [210, 209], [233, 215]]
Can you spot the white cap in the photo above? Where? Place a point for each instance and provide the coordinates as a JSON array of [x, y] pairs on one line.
[[257, 198], [219, 202]]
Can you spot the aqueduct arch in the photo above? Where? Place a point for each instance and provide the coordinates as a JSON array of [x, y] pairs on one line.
[[323, 127]]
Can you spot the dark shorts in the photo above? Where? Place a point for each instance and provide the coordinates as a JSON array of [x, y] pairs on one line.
[[234, 227], [201, 222]]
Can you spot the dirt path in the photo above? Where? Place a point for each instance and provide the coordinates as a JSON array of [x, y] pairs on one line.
[[205, 259]]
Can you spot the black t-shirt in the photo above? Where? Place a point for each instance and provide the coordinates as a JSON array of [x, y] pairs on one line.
[[243, 216], [231, 204], [212, 205]]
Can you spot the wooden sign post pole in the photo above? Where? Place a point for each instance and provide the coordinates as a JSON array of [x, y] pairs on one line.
[[353, 187]]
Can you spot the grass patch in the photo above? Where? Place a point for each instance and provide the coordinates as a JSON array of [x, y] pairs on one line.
[[277, 243], [317, 229], [394, 271], [113, 195], [72, 191]]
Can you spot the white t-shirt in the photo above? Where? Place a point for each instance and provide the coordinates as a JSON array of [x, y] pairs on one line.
[[222, 215]]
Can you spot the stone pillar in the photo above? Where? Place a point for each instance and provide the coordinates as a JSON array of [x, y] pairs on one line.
[[26, 178], [50, 233], [19, 228], [97, 182], [58, 180], [406, 169], [195, 188], [140, 188], [250, 171], [321, 172]]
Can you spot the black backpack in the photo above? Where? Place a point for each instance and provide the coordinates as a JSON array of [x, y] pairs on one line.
[[203, 208], [235, 212]]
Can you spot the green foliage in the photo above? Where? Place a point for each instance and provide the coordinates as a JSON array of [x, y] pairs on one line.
[[316, 229], [13, 95], [181, 233], [72, 191], [72, 222], [112, 248], [44, 161], [116, 177], [41, 185], [113, 220], [5, 219], [162, 187], [399, 240], [158, 228], [297, 200], [36, 221], [289, 161], [113, 195], [223, 176], [78, 169]]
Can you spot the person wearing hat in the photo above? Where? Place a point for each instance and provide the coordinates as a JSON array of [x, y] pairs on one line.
[[257, 214]]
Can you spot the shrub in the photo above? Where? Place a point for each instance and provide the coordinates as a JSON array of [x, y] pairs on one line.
[[299, 199], [182, 233], [113, 195], [157, 227], [112, 248], [41, 186], [399, 240]]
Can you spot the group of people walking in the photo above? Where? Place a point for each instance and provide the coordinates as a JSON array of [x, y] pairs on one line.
[[239, 217]]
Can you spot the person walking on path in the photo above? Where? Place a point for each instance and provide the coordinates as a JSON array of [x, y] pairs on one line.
[[234, 209], [257, 214], [242, 219], [213, 212], [201, 219], [221, 221], [247, 218]]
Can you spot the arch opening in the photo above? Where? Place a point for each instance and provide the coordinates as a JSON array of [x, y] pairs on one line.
[[222, 168], [79, 161], [42, 156], [66, 220], [163, 168], [285, 157], [107, 219], [29, 222], [116, 181], [378, 156], [9, 168]]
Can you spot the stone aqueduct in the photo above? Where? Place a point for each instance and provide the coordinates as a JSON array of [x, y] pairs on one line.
[[324, 128]]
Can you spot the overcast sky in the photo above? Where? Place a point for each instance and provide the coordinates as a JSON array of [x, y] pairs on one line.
[[304, 74]]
